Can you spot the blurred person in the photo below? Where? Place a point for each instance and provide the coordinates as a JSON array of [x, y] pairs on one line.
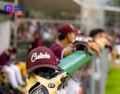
[[47, 34], [53, 31], [98, 33], [12, 70], [37, 41], [38, 26], [21, 65], [117, 48], [103, 39], [100, 37], [66, 36], [42, 29], [32, 28], [23, 31]]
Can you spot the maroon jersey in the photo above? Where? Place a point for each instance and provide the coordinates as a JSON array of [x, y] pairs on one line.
[[4, 59], [57, 49], [38, 42]]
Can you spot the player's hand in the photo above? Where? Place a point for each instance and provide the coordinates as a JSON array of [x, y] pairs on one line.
[[95, 47], [102, 42]]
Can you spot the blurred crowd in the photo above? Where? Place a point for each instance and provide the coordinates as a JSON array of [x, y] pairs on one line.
[[47, 32], [63, 40]]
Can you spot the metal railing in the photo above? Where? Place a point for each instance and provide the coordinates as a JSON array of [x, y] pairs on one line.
[[100, 68], [78, 63]]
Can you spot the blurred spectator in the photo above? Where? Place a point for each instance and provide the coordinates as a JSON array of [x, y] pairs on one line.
[[117, 39], [23, 31], [97, 33], [100, 37], [42, 29], [12, 70], [53, 30], [117, 48], [32, 28], [37, 41], [48, 33], [21, 65]]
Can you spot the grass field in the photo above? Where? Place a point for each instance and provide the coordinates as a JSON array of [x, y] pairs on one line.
[[113, 81]]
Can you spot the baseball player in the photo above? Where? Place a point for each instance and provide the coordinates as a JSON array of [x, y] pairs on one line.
[[65, 44]]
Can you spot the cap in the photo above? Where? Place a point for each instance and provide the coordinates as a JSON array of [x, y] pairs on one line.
[[66, 28], [41, 57]]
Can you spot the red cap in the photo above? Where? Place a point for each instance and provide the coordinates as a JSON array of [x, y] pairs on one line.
[[41, 57], [66, 28]]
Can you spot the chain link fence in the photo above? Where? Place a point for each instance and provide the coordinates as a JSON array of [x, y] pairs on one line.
[[95, 82]]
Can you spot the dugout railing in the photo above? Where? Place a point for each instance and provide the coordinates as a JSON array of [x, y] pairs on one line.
[[95, 82]]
